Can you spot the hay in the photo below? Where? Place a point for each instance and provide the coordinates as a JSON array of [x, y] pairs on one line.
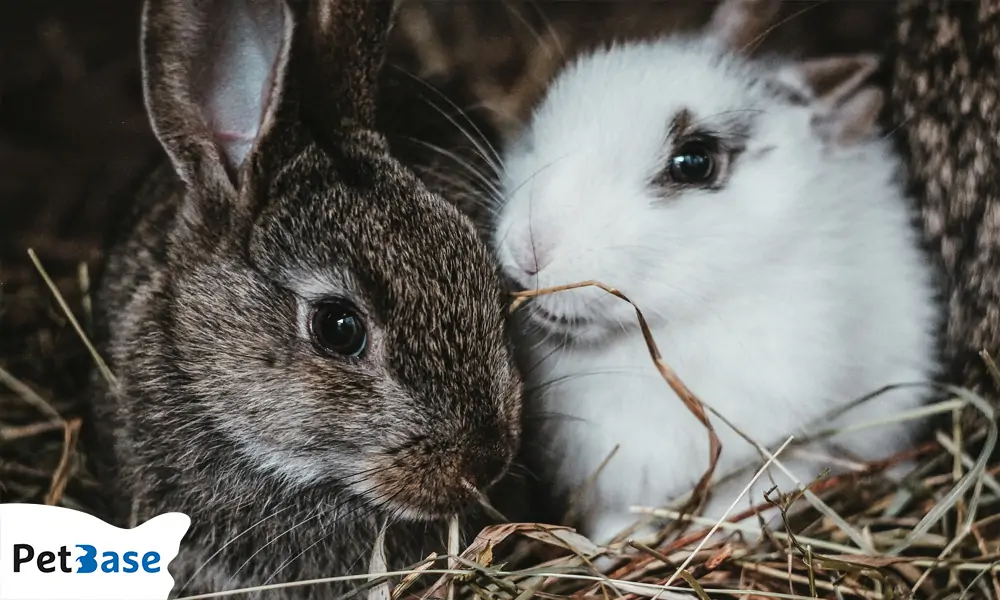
[[924, 541], [860, 537]]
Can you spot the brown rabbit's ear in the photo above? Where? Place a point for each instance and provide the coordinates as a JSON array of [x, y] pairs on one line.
[[738, 23], [212, 76], [343, 45]]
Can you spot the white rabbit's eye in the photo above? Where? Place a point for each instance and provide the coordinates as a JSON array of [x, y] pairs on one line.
[[336, 328], [693, 163]]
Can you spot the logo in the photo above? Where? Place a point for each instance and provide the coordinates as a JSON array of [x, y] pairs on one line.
[[54, 553]]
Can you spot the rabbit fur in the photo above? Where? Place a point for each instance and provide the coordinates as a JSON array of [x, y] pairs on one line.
[[279, 194], [781, 291]]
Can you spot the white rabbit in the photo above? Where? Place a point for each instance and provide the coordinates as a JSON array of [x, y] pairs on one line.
[[748, 210]]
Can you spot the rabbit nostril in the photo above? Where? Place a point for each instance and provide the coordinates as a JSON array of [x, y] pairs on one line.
[[489, 461], [532, 260], [486, 469]]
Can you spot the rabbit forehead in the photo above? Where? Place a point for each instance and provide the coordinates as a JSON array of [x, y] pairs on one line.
[[640, 86], [365, 212], [360, 223]]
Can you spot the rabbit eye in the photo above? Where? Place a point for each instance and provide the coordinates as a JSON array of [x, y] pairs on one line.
[[694, 163], [338, 329]]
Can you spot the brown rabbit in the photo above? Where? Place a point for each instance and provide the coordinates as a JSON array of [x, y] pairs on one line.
[[945, 101], [307, 342]]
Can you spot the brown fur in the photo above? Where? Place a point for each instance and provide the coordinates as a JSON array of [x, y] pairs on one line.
[[945, 102], [197, 317]]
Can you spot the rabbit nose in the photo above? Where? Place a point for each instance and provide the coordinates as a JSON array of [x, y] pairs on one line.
[[488, 464], [532, 258], [486, 470]]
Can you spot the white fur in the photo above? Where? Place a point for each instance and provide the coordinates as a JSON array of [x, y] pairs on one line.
[[792, 291]]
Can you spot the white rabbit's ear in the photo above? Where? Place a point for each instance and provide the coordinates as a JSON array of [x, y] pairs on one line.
[[212, 77], [739, 23], [846, 107], [856, 118], [830, 80]]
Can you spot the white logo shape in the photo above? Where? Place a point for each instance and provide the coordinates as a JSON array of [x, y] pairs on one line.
[[49, 553]]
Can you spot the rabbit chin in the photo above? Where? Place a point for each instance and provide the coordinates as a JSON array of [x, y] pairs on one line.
[[405, 512], [388, 499]]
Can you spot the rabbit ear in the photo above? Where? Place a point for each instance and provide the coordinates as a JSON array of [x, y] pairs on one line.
[[212, 76], [846, 106], [831, 80], [854, 119], [343, 48], [738, 23]]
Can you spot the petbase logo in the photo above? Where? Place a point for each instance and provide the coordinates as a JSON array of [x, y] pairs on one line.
[[111, 561], [49, 552]]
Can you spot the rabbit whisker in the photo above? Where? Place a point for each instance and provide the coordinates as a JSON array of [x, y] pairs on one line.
[[353, 514], [539, 38], [479, 197], [540, 387], [231, 541], [496, 162], [755, 43], [376, 470], [460, 161], [551, 30], [328, 530], [357, 513], [271, 541]]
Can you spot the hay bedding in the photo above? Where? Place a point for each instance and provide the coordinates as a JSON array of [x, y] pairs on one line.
[[73, 138]]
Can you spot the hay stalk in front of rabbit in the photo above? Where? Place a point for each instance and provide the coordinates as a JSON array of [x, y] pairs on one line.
[[973, 477], [697, 407], [377, 566], [692, 402], [744, 492], [651, 588]]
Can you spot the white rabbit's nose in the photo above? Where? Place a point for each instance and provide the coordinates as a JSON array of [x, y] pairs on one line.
[[531, 257]]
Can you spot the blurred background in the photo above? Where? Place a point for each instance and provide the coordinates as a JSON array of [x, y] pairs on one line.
[[74, 138]]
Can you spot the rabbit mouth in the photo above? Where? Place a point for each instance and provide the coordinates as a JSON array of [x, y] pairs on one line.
[[562, 323], [428, 500]]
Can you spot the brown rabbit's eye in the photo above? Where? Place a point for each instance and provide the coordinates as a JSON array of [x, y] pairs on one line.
[[693, 163], [338, 329]]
